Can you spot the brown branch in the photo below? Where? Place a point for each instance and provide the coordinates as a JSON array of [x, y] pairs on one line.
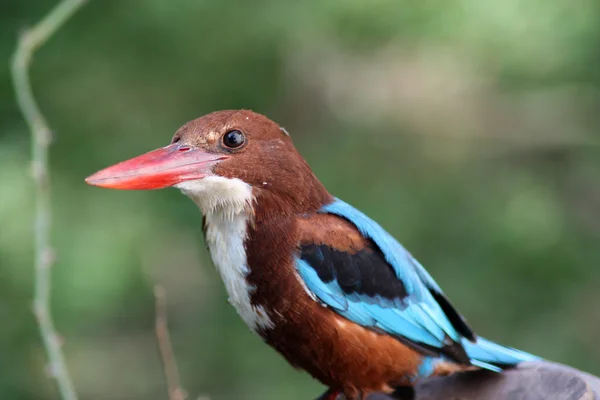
[[164, 345], [29, 42]]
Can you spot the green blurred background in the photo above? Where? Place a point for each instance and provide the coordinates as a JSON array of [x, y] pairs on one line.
[[469, 129]]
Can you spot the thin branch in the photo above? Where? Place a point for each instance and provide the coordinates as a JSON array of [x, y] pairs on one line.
[[164, 345], [30, 41]]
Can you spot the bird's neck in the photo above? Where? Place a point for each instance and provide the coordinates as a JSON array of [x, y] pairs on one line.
[[219, 197], [233, 211], [304, 196], [227, 208]]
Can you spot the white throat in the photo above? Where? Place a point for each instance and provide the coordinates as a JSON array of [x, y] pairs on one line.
[[227, 208]]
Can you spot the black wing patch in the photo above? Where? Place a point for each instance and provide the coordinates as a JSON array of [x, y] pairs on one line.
[[365, 272]]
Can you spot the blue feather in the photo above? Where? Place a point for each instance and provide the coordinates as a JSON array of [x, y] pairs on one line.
[[426, 367], [418, 317], [391, 320], [485, 351], [423, 310]]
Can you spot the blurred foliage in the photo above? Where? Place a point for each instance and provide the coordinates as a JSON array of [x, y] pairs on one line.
[[469, 129]]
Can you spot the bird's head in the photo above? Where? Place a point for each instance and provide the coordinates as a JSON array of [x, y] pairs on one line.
[[225, 161]]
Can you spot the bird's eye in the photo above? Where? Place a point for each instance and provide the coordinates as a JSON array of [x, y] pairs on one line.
[[233, 139]]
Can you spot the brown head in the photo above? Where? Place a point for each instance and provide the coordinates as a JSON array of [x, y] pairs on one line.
[[225, 159]]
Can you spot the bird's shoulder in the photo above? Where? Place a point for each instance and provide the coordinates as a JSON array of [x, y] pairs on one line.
[[337, 251], [331, 231]]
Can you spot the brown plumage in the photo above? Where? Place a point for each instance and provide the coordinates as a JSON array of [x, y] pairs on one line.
[[339, 353], [261, 204]]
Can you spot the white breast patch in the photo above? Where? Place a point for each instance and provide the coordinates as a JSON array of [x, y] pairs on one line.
[[226, 205]]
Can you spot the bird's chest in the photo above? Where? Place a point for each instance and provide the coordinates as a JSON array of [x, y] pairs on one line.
[[225, 237]]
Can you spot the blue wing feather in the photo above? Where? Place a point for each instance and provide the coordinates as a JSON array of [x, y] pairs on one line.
[[423, 317], [394, 321], [425, 310]]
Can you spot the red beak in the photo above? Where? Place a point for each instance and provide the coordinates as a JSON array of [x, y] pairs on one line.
[[157, 169]]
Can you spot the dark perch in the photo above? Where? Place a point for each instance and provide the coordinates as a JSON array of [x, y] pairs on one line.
[[530, 381]]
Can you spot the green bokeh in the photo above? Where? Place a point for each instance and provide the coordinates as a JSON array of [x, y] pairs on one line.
[[469, 129]]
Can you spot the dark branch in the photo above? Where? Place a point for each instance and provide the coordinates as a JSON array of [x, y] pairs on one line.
[[530, 381]]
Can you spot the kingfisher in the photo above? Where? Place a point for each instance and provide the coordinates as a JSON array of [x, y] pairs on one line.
[[318, 280]]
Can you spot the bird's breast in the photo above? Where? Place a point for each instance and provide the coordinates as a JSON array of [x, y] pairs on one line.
[[225, 236]]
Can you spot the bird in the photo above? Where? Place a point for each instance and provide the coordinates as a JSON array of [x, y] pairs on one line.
[[318, 280]]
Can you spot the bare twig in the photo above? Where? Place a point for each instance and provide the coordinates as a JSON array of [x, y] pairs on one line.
[[164, 345], [31, 40]]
